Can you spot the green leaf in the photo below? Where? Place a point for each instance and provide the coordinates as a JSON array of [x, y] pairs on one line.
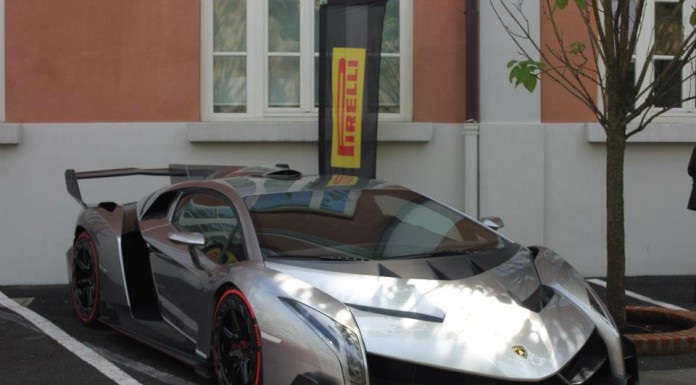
[[559, 4], [692, 17], [582, 4], [530, 83], [577, 47], [525, 72]]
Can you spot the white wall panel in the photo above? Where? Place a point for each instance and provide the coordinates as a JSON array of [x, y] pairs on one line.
[[512, 179], [500, 102], [545, 181], [37, 215], [554, 194]]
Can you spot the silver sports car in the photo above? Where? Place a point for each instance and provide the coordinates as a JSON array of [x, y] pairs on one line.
[[266, 276]]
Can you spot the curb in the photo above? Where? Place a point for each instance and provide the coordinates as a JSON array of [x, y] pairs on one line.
[[652, 344]]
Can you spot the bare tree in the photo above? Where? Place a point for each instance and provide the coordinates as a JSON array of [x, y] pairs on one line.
[[628, 70]]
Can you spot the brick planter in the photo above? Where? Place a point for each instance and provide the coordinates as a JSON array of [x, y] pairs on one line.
[[649, 344]]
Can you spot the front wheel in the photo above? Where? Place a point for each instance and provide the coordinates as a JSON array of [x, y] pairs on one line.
[[84, 280], [236, 341]]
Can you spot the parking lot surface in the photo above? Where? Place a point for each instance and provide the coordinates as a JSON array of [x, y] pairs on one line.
[[49, 345], [29, 356]]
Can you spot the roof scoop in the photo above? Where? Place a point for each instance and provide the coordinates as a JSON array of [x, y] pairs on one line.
[[283, 172]]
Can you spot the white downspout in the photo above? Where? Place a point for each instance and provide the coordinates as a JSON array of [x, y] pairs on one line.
[[471, 169]]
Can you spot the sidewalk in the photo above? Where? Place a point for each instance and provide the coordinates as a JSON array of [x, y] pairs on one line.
[[668, 377], [678, 369]]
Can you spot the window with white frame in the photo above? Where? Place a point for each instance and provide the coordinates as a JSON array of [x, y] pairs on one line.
[[260, 59], [664, 25]]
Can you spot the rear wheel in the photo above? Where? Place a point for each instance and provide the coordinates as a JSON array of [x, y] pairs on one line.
[[84, 280], [236, 341]]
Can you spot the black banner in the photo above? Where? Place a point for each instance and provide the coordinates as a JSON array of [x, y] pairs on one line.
[[349, 59]]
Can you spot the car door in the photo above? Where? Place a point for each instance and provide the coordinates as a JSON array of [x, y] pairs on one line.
[[203, 232]]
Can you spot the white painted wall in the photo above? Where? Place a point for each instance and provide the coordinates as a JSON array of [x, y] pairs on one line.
[[499, 101], [547, 182], [37, 215]]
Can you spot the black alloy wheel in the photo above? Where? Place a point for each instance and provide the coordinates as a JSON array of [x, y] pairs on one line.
[[236, 341], [84, 280]]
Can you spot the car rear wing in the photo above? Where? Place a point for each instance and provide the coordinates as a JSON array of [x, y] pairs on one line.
[[177, 173]]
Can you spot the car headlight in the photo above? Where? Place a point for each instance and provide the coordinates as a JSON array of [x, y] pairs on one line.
[[598, 305], [345, 343]]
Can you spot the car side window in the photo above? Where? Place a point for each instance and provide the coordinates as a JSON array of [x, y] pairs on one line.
[[215, 218]]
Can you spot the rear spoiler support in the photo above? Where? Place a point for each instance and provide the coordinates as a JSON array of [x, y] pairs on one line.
[[176, 172]]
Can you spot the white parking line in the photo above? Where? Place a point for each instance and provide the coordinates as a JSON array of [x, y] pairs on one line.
[[140, 367], [80, 350], [640, 296]]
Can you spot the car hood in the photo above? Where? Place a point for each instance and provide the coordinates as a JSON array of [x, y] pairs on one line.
[[477, 325]]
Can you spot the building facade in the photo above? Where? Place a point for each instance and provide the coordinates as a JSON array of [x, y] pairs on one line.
[[100, 84]]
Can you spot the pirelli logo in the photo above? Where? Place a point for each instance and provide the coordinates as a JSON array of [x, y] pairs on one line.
[[343, 180], [348, 74]]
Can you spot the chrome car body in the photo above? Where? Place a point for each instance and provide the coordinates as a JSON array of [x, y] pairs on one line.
[[499, 314]]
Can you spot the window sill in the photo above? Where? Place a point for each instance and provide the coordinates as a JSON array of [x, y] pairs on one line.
[[10, 133], [296, 131], [662, 132]]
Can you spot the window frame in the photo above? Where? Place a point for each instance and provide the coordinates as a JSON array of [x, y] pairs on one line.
[[257, 79], [646, 39], [183, 194]]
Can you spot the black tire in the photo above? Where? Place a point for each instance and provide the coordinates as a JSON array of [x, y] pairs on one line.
[[84, 280], [236, 341]]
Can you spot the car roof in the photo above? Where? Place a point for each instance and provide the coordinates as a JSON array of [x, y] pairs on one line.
[[249, 181]]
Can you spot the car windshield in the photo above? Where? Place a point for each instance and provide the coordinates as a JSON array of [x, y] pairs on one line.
[[356, 224]]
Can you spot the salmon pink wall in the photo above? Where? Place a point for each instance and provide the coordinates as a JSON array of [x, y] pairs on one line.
[[439, 61], [557, 105], [102, 60]]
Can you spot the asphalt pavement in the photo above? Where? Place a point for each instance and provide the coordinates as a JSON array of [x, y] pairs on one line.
[[677, 369], [33, 352], [29, 356]]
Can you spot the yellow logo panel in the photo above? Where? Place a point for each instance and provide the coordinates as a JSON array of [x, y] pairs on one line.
[[343, 180], [347, 87]]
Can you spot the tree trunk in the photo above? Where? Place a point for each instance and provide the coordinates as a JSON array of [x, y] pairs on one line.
[[616, 252]]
